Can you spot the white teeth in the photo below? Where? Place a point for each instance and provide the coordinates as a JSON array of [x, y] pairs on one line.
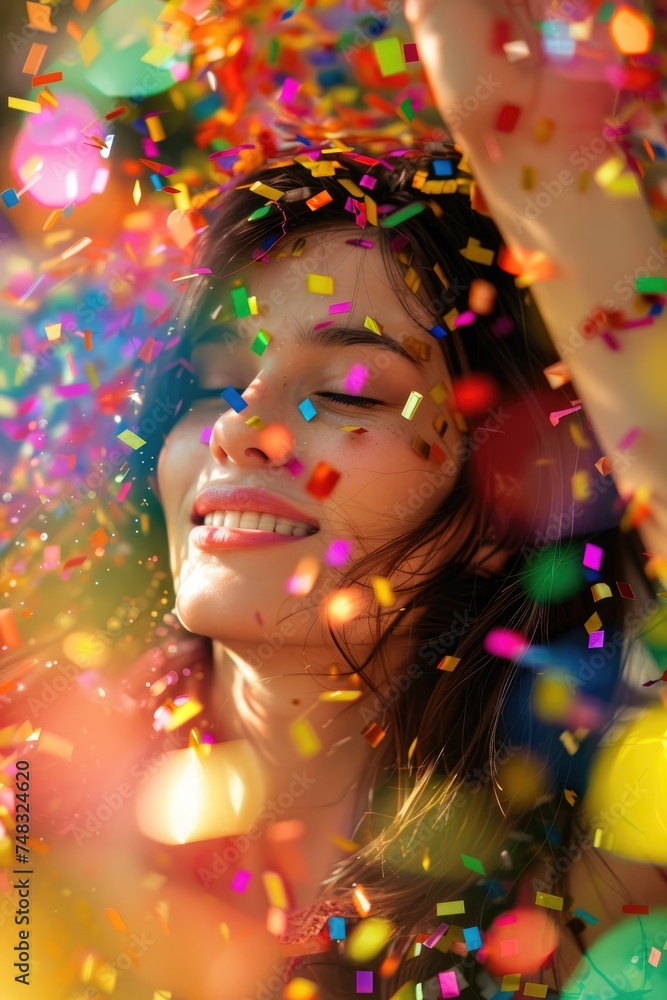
[[254, 520]]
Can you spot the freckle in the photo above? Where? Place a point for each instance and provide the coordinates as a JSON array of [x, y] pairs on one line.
[[296, 701], [259, 619]]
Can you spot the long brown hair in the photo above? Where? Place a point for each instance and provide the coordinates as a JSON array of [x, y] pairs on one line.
[[434, 794]]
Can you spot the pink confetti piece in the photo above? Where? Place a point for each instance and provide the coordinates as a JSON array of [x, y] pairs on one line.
[[502, 642], [294, 466], [629, 438], [366, 244], [368, 182], [356, 379], [338, 552], [435, 937], [321, 326], [593, 556], [206, 435], [75, 389], [596, 639], [240, 881], [465, 318], [290, 87], [339, 307], [557, 414], [124, 490], [449, 986]]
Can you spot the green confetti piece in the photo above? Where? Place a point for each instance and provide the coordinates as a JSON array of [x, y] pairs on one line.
[[450, 908], [389, 54], [606, 12], [131, 439], [259, 213], [402, 215], [473, 864], [650, 285], [274, 49], [240, 300], [260, 343], [407, 109]]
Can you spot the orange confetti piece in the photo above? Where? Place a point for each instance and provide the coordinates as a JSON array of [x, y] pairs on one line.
[[34, 58], [115, 919], [631, 32], [9, 633], [39, 16]]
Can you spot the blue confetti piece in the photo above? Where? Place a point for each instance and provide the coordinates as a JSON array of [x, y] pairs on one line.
[[473, 938], [337, 928], [9, 197], [231, 396], [587, 917], [307, 409], [443, 168], [438, 332], [156, 181]]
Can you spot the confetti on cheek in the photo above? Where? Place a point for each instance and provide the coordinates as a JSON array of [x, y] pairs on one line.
[[412, 405], [307, 409], [277, 441], [339, 552], [303, 579], [322, 480], [206, 435]]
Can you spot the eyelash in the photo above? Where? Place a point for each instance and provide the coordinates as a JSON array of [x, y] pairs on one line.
[[337, 397]]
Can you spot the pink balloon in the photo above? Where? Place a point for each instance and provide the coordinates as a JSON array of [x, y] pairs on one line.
[[68, 164]]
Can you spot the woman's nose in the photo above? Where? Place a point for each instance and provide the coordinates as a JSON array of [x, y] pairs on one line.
[[233, 438]]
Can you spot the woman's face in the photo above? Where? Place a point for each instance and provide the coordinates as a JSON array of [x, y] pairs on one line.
[[385, 486]]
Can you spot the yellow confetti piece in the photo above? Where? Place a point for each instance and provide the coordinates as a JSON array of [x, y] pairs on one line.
[[450, 318], [600, 591], [271, 193], [535, 990], [439, 392], [546, 899], [159, 54], [339, 696], [476, 252], [301, 989], [320, 284], [105, 978], [371, 210], [53, 331], [368, 939], [305, 738], [581, 486], [89, 47], [389, 55], [136, 192], [224, 931], [274, 887], [155, 128], [570, 796], [19, 104], [609, 171], [131, 439], [449, 663], [544, 129], [569, 741], [256, 422], [349, 846], [170, 716], [412, 404], [382, 589], [162, 995], [450, 908], [510, 983], [594, 623], [528, 178], [373, 325], [351, 187]]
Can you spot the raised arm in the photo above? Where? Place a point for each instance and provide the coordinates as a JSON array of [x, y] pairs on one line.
[[542, 137]]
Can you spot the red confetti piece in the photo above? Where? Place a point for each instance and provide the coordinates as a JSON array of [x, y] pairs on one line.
[[508, 116], [322, 481]]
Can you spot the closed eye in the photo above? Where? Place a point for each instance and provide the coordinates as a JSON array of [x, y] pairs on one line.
[[339, 397]]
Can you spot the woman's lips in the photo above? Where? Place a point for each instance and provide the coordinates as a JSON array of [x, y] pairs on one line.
[[207, 537]]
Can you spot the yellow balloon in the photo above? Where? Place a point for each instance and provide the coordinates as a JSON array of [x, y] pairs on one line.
[[626, 800]]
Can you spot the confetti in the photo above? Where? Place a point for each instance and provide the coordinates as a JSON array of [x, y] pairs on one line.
[[320, 284], [389, 55], [412, 405], [131, 439], [450, 908], [551, 902], [19, 104]]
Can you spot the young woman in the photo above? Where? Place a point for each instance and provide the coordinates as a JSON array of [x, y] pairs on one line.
[[376, 535]]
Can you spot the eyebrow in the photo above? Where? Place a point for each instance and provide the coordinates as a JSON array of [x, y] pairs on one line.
[[328, 337], [342, 336]]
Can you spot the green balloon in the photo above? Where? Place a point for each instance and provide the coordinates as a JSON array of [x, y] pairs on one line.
[[124, 35], [555, 574], [617, 966]]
